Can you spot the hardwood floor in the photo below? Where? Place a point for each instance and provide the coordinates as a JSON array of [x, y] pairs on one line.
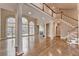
[[56, 47]]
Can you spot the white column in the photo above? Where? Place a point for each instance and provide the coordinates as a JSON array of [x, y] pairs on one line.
[[0, 24], [0, 30], [45, 30], [53, 29], [36, 34], [18, 41]]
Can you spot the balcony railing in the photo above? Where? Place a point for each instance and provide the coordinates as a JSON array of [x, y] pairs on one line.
[[47, 9]]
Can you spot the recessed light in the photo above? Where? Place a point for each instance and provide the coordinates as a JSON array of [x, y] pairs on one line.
[[53, 7], [43, 18], [29, 13]]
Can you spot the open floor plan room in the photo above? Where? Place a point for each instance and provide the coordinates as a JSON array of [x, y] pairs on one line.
[[39, 29]]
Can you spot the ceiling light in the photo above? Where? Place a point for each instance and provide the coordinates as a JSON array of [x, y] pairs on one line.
[[53, 7], [43, 18], [29, 13]]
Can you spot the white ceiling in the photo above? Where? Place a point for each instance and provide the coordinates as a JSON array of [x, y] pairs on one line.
[[64, 6], [36, 13]]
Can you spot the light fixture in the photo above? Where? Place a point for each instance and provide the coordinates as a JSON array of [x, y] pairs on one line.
[[53, 7], [43, 18], [29, 13]]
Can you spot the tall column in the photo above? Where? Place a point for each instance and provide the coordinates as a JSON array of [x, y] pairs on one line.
[[28, 33], [3, 32], [0, 25], [18, 41], [54, 29], [51, 29], [0, 31]]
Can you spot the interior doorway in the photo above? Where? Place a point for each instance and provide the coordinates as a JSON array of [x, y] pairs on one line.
[[47, 29]]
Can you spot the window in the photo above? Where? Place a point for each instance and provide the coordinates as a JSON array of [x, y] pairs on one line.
[[31, 34], [27, 35], [10, 35], [24, 26], [24, 34], [11, 27], [31, 28]]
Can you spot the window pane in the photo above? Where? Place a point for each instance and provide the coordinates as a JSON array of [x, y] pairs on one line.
[[25, 44], [32, 40], [10, 34], [24, 34], [24, 26], [31, 27], [24, 20], [11, 47]]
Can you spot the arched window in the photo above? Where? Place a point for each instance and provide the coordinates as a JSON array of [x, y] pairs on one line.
[[10, 27], [31, 34], [10, 34], [31, 28], [24, 26], [24, 34]]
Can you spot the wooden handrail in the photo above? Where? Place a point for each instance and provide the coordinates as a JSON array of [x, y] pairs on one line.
[[54, 11], [69, 17], [70, 31], [41, 9], [61, 13], [73, 29], [50, 8]]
